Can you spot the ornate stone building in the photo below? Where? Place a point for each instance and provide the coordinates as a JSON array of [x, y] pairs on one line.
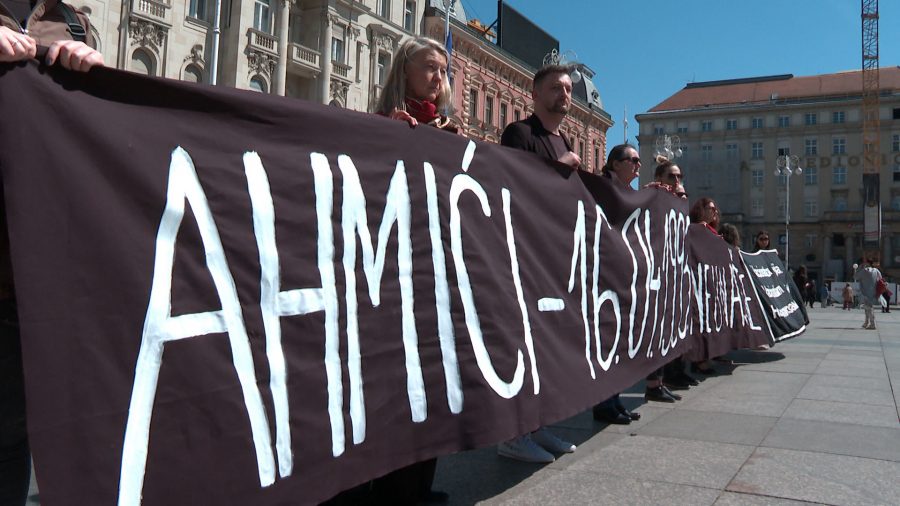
[[333, 52], [733, 131]]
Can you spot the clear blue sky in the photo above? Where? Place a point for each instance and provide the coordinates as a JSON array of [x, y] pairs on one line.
[[645, 50]]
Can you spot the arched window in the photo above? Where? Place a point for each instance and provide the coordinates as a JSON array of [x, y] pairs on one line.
[[193, 74], [142, 62], [258, 84]]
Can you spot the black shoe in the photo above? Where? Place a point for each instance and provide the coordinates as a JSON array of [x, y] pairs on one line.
[[607, 415], [677, 383], [690, 380], [670, 393], [709, 371], [658, 394], [633, 415]]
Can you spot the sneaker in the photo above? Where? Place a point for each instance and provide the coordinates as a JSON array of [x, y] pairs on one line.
[[550, 442], [524, 449]]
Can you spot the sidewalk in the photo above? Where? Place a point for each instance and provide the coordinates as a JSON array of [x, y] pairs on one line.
[[814, 419]]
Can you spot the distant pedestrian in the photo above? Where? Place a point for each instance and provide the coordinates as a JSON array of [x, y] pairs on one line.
[[868, 276], [811, 292], [847, 295], [762, 241]]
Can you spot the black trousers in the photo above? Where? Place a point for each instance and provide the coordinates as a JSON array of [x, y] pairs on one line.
[[15, 459]]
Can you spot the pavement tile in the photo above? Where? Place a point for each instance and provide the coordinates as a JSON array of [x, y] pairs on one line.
[[734, 499], [843, 412], [828, 381], [582, 487], [790, 363], [710, 426], [834, 368], [679, 461], [757, 393], [837, 438], [818, 477], [839, 394]]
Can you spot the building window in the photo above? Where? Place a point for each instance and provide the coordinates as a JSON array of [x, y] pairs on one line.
[[384, 8], [473, 106], [781, 206], [897, 113], [262, 16], [811, 175], [658, 130], [756, 207], [895, 145], [784, 151], [839, 175], [581, 151], [812, 239], [706, 126], [383, 66], [706, 152], [517, 115], [757, 176], [503, 111], [731, 151], [756, 150], [409, 16], [784, 121], [811, 207], [812, 147], [143, 63], [895, 205], [337, 44], [838, 146], [682, 129], [731, 124], [197, 9], [811, 118], [597, 159], [258, 84], [489, 110], [757, 123], [839, 202], [782, 179], [837, 117], [896, 172]]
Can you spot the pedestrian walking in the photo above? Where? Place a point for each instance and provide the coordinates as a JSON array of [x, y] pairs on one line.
[[868, 276]]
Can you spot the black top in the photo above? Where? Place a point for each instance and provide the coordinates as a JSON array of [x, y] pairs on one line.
[[20, 9], [529, 134]]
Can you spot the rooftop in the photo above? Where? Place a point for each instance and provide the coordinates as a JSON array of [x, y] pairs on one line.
[[786, 87]]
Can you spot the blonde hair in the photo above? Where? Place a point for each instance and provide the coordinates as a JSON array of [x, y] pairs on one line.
[[393, 96]]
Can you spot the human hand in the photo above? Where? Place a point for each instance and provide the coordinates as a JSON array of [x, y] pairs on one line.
[[570, 159], [73, 55], [15, 46], [403, 116]]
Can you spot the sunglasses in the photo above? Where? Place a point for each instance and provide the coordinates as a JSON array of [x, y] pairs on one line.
[[635, 160]]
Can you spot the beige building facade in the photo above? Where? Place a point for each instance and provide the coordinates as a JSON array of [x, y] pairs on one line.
[[334, 52], [732, 132]]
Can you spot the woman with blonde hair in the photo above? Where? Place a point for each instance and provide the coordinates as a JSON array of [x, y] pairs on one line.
[[417, 89]]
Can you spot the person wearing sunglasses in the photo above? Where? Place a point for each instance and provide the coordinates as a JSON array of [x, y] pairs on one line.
[[762, 241], [668, 177], [623, 164]]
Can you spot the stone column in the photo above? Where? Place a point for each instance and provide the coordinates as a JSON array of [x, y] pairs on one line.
[[851, 252], [284, 24], [887, 255], [325, 63], [826, 255]]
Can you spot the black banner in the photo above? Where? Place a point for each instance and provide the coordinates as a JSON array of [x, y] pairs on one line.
[[233, 298], [785, 312]]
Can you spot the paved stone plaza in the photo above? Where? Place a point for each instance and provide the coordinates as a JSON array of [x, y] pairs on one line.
[[813, 420]]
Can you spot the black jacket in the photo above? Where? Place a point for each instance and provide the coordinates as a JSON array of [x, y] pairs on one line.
[[529, 134]]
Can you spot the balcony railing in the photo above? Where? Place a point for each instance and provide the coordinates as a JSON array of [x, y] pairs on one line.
[[341, 70], [152, 8], [263, 41], [304, 56]]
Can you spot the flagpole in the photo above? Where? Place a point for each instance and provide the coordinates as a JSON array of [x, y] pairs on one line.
[[625, 122], [448, 42]]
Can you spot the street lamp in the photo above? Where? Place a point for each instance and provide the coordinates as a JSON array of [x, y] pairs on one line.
[[787, 166], [668, 146]]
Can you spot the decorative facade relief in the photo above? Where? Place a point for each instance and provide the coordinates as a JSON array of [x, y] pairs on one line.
[[146, 33], [260, 62]]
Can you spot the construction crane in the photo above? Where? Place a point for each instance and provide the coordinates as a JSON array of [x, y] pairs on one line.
[[871, 129]]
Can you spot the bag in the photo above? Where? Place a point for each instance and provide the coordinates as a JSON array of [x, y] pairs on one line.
[[880, 287]]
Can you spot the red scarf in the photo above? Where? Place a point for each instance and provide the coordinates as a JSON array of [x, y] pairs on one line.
[[422, 110]]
